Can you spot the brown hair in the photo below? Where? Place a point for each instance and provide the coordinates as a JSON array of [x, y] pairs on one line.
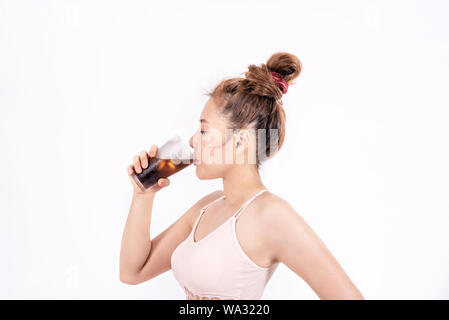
[[255, 101]]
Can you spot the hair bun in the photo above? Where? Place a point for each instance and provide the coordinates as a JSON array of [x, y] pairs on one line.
[[286, 64], [273, 78]]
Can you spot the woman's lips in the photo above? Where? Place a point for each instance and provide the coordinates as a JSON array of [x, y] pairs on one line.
[[196, 160]]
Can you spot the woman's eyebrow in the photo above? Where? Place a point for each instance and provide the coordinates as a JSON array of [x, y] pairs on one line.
[[203, 120]]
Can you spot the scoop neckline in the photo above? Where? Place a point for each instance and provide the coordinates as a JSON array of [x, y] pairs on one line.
[[195, 227]]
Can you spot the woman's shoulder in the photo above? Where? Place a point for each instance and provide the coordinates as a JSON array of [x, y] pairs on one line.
[[209, 197], [273, 210], [271, 203], [276, 218]]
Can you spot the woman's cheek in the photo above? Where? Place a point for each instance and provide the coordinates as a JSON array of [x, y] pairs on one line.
[[206, 152]]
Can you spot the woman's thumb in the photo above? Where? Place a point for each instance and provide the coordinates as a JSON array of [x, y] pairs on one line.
[[163, 182]]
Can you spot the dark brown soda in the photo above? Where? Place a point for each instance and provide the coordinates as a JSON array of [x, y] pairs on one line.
[[159, 168]]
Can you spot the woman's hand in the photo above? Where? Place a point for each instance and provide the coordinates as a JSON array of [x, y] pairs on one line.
[[140, 162]]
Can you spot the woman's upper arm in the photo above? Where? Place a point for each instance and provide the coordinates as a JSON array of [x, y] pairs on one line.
[[163, 245], [296, 245]]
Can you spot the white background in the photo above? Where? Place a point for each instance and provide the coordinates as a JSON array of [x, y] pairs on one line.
[[85, 85]]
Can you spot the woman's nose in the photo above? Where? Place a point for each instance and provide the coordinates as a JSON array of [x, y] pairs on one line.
[[191, 141]]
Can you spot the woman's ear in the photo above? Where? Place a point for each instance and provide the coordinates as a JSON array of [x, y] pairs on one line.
[[243, 137], [240, 138]]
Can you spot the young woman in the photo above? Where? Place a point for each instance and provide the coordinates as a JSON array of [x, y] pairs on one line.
[[229, 243]]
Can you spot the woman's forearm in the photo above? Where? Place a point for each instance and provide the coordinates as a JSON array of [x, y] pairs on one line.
[[136, 241]]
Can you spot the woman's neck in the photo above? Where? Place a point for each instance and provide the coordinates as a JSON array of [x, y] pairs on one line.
[[240, 183]]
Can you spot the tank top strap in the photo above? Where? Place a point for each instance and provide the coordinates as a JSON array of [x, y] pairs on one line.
[[210, 203], [203, 209], [243, 207]]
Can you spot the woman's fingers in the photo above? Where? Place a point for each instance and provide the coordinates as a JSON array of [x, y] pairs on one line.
[[141, 162], [130, 169], [144, 159], [153, 151], [136, 163], [163, 182]]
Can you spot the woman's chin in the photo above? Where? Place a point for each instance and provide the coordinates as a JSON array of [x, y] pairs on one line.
[[201, 174], [198, 172]]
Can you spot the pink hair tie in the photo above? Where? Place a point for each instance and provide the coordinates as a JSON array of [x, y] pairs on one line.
[[282, 84]]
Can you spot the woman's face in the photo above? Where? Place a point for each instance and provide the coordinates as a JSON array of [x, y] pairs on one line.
[[214, 152]]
